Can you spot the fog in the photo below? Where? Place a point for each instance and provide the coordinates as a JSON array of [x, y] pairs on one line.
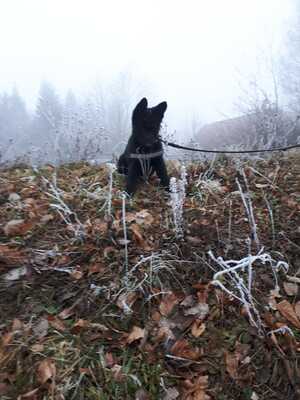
[[196, 55]]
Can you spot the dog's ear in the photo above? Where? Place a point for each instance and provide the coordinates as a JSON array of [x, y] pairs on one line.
[[161, 108], [140, 108]]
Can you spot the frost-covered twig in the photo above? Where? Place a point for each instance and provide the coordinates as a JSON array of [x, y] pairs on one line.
[[123, 196], [111, 169], [64, 211], [249, 209], [177, 193], [271, 219], [240, 285]]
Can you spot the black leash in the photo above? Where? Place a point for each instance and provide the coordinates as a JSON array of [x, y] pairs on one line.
[[177, 146]]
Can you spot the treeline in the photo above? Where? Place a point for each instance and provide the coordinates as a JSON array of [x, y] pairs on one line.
[[63, 130]]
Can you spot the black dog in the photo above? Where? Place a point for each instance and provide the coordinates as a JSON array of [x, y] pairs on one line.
[[144, 152]]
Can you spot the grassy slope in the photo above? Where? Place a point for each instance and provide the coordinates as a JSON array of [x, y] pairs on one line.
[[74, 325]]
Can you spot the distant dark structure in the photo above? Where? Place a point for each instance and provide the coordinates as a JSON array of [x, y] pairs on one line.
[[252, 131]]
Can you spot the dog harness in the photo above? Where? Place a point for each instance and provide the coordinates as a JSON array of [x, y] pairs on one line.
[[146, 156]]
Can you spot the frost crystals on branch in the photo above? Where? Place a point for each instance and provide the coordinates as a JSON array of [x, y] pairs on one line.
[[111, 169], [68, 216], [239, 280], [177, 193]]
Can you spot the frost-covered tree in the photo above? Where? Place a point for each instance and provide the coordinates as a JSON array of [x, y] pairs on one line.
[[14, 124], [291, 61]]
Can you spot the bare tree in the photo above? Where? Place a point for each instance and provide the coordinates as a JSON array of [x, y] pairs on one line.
[[290, 62]]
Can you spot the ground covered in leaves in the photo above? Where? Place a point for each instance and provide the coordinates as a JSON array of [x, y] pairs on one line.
[[101, 298]]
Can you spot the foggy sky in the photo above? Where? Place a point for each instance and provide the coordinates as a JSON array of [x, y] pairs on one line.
[[186, 52]]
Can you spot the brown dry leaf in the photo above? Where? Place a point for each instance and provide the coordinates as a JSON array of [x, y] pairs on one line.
[[126, 300], [109, 360], [7, 338], [194, 241], [32, 395], [232, 364], [67, 312], [144, 217], [197, 390], [274, 294], [37, 348], [171, 394], [167, 304], [138, 237], [297, 309], [80, 325], [141, 394], [17, 325], [46, 218], [202, 292], [117, 373], [17, 227], [198, 328], [96, 268], [200, 310], [136, 334], [99, 226], [56, 323], [294, 279], [165, 330], [46, 370], [182, 348], [77, 274], [4, 389], [291, 288], [11, 256], [287, 310], [40, 329]]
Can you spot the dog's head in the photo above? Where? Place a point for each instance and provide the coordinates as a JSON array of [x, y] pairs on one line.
[[146, 122]]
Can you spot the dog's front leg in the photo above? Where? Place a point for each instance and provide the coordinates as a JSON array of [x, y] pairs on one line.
[[161, 171], [132, 178]]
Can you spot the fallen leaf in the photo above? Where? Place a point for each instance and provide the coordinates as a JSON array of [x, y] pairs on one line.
[[141, 394], [17, 227], [137, 234], [287, 310], [46, 370], [67, 312], [171, 394], [297, 309], [182, 348], [32, 395], [15, 274], [40, 329], [294, 279], [167, 304], [136, 334], [144, 217], [80, 325], [56, 323], [126, 300], [196, 390], [96, 268], [232, 364], [291, 288], [37, 348], [109, 360], [274, 294], [198, 327], [200, 310], [77, 274]]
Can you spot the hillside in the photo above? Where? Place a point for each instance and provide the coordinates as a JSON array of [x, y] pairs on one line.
[[101, 298]]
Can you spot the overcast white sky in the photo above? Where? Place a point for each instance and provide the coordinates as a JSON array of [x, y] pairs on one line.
[[187, 51]]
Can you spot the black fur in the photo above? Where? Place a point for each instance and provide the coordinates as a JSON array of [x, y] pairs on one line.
[[144, 140]]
